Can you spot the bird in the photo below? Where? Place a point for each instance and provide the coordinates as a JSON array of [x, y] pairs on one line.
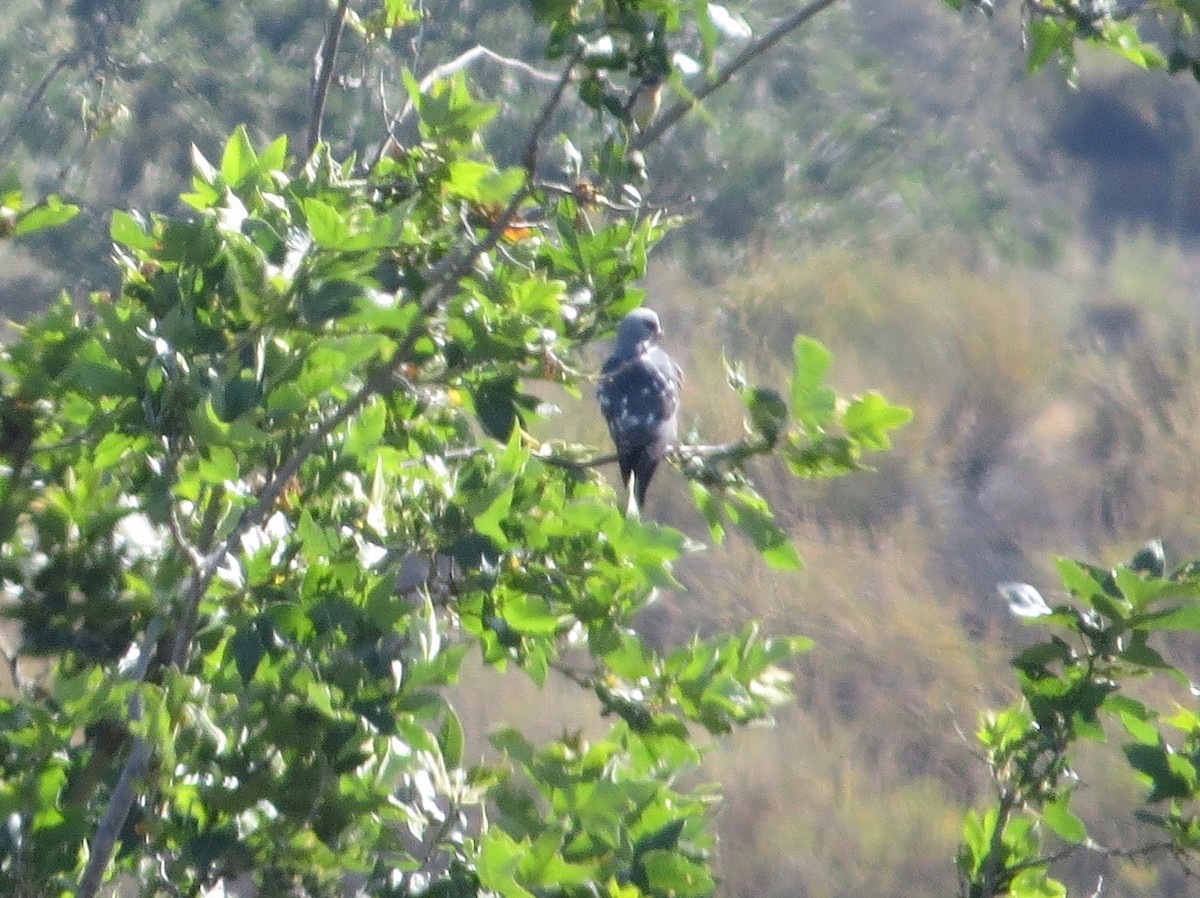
[[639, 398], [643, 105]]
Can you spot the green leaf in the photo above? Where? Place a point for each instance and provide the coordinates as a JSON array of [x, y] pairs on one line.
[[869, 418], [328, 227], [1064, 822], [464, 177], [1155, 763], [707, 505], [274, 157], [130, 231], [755, 520], [1139, 728], [1046, 36], [497, 406], [50, 213], [247, 650], [671, 873], [239, 159], [318, 541], [451, 739], [531, 615], [1184, 617], [488, 521], [498, 860], [768, 412], [813, 403], [191, 243], [977, 834], [1123, 38], [1034, 883]]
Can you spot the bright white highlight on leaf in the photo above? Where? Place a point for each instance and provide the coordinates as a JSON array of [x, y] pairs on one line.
[[139, 536], [232, 215], [1023, 600], [273, 532], [573, 157], [731, 25], [602, 47], [685, 64], [130, 659]]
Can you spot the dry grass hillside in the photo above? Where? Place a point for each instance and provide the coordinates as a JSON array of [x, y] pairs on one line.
[[1056, 412]]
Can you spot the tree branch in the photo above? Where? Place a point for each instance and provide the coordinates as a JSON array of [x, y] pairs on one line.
[[671, 116], [67, 59], [445, 272], [456, 264], [446, 69], [535, 135], [105, 841], [326, 57]]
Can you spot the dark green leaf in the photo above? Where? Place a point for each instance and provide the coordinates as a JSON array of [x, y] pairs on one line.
[[247, 650], [450, 739]]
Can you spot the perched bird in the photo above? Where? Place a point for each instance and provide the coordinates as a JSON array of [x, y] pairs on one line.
[[639, 397], [642, 106]]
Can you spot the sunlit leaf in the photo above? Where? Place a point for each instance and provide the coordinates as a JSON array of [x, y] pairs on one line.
[[813, 402], [239, 159]]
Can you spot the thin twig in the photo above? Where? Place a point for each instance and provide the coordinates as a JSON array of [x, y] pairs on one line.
[[669, 117], [67, 59], [326, 58], [535, 135], [991, 866], [446, 69], [455, 265], [587, 195], [580, 679]]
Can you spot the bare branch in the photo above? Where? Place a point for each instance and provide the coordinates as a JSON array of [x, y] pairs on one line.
[[446, 69], [460, 62], [456, 264], [105, 841], [535, 135], [326, 57], [67, 59], [668, 118]]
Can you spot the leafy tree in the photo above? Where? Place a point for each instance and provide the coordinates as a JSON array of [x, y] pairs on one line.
[[259, 504]]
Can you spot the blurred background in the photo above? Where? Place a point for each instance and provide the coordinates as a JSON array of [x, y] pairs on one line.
[[1013, 257]]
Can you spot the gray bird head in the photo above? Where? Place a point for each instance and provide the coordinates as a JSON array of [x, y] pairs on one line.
[[637, 328]]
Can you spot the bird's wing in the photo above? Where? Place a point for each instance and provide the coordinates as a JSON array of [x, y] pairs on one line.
[[639, 397]]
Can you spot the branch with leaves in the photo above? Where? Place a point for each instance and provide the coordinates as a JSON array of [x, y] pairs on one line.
[[1075, 686]]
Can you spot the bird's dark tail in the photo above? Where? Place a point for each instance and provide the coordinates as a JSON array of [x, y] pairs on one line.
[[642, 466]]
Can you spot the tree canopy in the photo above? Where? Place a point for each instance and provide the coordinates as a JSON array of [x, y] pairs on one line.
[[260, 502]]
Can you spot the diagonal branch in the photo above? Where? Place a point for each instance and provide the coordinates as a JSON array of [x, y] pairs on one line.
[[671, 116], [539, 126], [446, 69], [456, 264], [326, 57], [104, 843], [68, 59]]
